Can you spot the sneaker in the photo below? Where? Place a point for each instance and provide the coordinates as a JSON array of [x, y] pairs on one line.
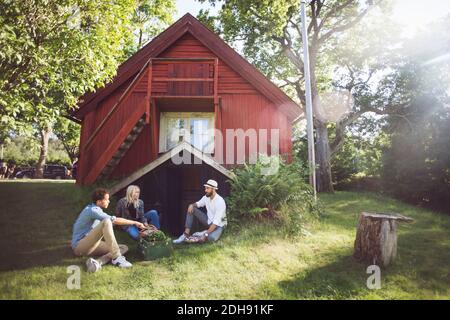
[[180, 239], [121, 262], [199, 234], [93, 265]]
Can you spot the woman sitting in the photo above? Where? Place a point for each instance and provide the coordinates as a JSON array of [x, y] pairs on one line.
[[132, 208]]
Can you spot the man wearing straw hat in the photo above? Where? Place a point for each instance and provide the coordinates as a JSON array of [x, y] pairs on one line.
[[214, 219]]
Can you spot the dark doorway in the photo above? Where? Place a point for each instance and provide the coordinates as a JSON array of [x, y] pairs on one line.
[[171, 188]]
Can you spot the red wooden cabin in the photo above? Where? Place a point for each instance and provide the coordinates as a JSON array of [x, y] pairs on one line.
[[186, 78]]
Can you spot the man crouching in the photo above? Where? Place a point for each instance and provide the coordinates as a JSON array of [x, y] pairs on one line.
[[87, 237]]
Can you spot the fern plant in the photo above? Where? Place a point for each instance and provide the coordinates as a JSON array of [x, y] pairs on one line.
[[271, 189]]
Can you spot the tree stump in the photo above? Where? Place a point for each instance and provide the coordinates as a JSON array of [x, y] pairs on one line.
[[376, 238]]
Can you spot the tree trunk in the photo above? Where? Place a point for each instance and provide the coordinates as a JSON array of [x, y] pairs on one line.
[[323, 158], [45, 134], [140, 39], [376, 238], [322, 144], [72, 152]]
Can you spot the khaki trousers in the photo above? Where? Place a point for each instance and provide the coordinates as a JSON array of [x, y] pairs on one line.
[[92, 244]]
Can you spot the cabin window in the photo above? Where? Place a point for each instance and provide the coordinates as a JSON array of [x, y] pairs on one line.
[[197, 128]]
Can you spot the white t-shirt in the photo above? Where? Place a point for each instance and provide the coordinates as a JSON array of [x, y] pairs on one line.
[[216, 210]]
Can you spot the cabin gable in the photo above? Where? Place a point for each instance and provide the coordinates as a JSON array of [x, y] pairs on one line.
[[190, 75]]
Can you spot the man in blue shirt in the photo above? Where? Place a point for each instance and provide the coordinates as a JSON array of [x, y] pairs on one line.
[[87, 237]]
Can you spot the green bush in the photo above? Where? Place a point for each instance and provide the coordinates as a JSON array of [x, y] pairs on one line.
[[272, 190]]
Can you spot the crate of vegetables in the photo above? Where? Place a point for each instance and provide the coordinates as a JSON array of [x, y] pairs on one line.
[[155, 245]]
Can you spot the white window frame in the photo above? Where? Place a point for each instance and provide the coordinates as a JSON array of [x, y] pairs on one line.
[[187, 116]]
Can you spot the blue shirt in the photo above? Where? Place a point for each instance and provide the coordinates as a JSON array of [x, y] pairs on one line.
[[84, 223]]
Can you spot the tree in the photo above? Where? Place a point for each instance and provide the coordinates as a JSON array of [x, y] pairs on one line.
[[55, 51], [271, 37], [24, 151], [68, 132], [408, 148], [150, 18], [417, 161]]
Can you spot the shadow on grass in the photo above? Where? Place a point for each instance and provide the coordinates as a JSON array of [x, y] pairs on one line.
[[425, 252], [243, 237], [36, 220], [342, 279], [25, 259], [40, 254], [43, 213], [421, 264]]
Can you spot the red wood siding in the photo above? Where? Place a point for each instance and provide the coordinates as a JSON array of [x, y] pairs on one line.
[[87, 128], [111, 134], [242, 106], [106, 105], [189, 47], [190, 25], [137, 156], [255, 112]]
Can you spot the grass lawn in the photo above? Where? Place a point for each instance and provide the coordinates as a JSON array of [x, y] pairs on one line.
[[257, 262]]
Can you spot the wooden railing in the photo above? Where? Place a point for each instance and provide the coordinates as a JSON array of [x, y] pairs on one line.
[[122, 98], [115, 127], [186, 78]]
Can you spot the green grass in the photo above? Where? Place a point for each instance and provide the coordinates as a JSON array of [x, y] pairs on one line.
[[252, 262]]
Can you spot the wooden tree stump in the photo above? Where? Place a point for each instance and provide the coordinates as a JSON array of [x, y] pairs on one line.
[[376, 238]]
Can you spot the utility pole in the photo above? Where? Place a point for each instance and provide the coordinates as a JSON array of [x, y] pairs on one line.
[[309, 111]]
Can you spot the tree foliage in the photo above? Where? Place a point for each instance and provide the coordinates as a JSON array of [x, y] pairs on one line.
[[52, 52], [149, 19], [344, 53], [24, 152], [68, 132], [407, 148], [416, 165]]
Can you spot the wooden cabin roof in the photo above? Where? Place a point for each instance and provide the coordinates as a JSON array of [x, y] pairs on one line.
[[189, 24], [183, 146]]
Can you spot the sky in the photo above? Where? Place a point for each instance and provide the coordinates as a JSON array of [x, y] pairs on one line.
[[414, 14], [193, 7]]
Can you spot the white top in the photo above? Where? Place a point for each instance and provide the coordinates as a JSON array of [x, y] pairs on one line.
[[216, 210]]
